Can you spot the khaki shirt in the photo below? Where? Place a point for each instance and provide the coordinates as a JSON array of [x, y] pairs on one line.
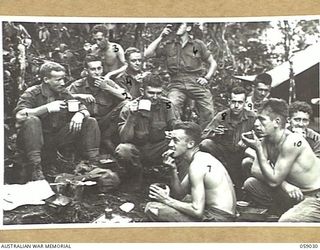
[[232, 136], [127, 82], [151, 126], [39, 95], [105, 102], [187, 59]]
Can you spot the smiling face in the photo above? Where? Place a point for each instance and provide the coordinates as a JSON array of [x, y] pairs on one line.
[[56, 81], [134, 62], [237, 103], [299, 119], [95, 69], [179, 143]]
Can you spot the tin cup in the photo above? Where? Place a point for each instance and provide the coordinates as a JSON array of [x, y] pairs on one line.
[[144, 104], [108, 213], [73, 105]]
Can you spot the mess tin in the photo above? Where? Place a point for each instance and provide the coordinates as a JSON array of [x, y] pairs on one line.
[[73, 105], [163, 186], [144, 104]]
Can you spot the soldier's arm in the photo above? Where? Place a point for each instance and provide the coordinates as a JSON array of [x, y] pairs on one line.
[[26, 107], [289, 151], [212, 67], [126, 127], [122, 60], [196, 207]]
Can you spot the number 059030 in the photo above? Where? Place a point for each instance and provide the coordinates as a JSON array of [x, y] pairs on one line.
[[305, 245]]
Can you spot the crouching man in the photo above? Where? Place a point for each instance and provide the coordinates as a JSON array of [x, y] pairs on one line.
[[45, 123], [212, 194], [284, 166]]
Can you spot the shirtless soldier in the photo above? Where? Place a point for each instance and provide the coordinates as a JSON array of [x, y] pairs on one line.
[[212, 194], [284, 162], [111, 54]]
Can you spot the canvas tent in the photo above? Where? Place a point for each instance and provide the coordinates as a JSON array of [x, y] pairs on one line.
[[306, 74]]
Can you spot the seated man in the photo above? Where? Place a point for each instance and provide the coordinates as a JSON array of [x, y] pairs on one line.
[[143, 126], [111, 54], [299, 119], [185, 58], [261, 92], [45, 124], [224, 133], [104, 100], [131, 79], [212, 194], [284, 161]]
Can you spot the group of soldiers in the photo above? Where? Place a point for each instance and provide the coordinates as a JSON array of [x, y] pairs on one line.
[[258, 149]]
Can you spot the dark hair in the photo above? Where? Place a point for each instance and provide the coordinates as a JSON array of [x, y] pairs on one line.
[[99, 28], [238, 90], [129, 51], [264, 78], [300, 106], [91, 58], [48, 67], [191, 129], [152, 80], [276, 107]]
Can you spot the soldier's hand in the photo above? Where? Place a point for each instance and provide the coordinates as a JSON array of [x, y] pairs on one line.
[[87, 98], [133, 107], [219, 130], [202, 81], [168, 160], [207, 133], [102, 83], [76, 122], [166, 31], [56, 106], [293, 191]]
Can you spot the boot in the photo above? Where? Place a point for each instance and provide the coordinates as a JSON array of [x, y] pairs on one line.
[[37, 173], [34, 159]]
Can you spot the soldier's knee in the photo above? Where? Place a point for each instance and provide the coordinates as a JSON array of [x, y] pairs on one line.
[[206, 145], [247, 163], [32, 122], [249, 183], [123, 150], [90, 121], [287, 218]]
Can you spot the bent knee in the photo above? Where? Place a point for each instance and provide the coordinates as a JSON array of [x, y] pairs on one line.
[[206, 145], [90, 121], [123, 150], [247, 163], [31, 121], [250, 183], [286, 217]]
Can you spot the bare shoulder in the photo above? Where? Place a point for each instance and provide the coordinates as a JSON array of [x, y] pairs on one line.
[[204, 160], [115, 45], [294, 142]]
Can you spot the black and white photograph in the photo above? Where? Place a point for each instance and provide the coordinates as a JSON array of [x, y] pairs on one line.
[[138, 122]]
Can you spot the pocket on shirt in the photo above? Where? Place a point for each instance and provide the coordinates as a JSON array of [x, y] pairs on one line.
[[157, 131]]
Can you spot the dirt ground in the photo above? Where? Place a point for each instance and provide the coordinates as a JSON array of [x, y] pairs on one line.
[[89, 205]]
